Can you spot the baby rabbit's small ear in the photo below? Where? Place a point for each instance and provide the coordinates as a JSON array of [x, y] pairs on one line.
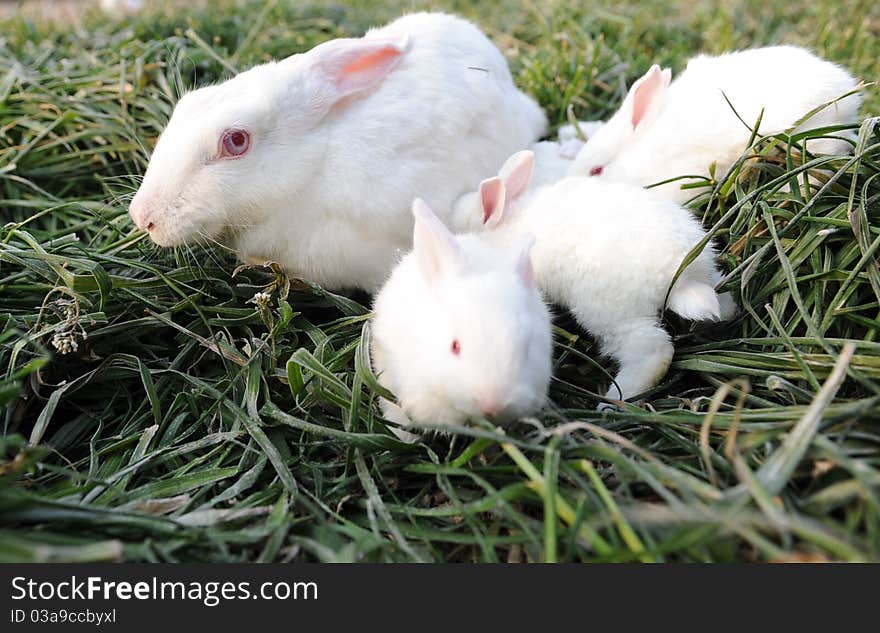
[[646, 92], [436, 249], [346, 66], [517, 172], [492, 194], [524, 262]]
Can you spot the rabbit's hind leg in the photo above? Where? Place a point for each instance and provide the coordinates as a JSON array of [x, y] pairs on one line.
[[643, 350]]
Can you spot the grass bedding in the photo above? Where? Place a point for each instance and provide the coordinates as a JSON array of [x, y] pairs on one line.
[[157, 407]]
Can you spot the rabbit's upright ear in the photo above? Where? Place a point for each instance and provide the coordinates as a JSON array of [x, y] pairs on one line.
[[436, 249], [646, 93], [492, 195], [345, 66], [524, 267], [516, 172]]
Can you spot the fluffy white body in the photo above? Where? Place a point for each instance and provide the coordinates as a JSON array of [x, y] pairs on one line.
[[339, 140], [608, 252], [460, 330], [664, 131]]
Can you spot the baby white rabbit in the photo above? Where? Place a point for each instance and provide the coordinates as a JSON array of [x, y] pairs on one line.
[[553, 159], [551, 166], [664, 131], [460, 330], [313, 161], [608, 252]]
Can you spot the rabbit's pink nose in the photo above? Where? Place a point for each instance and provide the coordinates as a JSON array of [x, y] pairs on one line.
[[140, 213], [491, 405]]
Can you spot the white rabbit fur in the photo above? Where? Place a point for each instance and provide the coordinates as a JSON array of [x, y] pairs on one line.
[[665, 131], [480, 294], [344, 136], [553, 159], [608, 252]]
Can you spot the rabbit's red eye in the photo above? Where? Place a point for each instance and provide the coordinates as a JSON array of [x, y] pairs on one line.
[[234, 143], [596, 171], [455, 348]]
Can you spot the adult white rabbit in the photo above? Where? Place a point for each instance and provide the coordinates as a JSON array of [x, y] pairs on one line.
[[460, 330], [667, 130], [313, 161]]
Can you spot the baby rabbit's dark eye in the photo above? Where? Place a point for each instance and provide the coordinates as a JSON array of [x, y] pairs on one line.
[[596, 171], [455, 348], [234, 143]]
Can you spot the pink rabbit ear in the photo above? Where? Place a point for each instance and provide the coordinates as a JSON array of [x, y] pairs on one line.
[[346, 66], [646, 91], [517, 172], [492, 195], [436, 249]]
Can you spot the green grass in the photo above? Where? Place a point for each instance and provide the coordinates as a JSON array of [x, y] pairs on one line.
[[183, 424]]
